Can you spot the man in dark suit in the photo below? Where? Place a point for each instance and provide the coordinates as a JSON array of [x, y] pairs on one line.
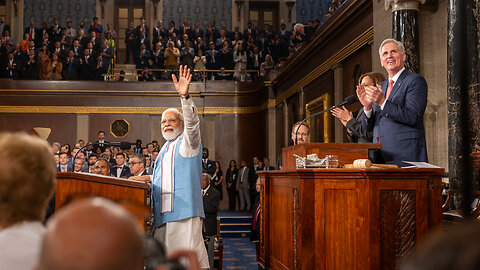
[[121, 170], [33, 32], [130, 42], [137, 165], [211, 200], [266, 164], [142, 27], [63, 163], [208, 166], [100, 143], [394, 110], [87, 65]]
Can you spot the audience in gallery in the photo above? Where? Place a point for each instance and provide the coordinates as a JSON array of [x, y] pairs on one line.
[[64, 52]]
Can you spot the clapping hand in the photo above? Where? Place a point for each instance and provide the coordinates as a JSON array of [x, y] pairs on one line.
[[342, 114]]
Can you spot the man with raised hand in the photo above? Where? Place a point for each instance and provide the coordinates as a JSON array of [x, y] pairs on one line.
[[177, 177]]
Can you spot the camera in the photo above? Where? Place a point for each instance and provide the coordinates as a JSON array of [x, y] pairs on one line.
[[155, 256]]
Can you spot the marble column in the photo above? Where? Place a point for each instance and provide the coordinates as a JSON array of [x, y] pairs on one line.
[[405, 28], [463, 93]]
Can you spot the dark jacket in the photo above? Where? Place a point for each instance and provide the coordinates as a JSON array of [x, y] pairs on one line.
[[211, 200]]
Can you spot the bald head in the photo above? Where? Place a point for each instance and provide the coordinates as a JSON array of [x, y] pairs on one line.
[[92, 234]]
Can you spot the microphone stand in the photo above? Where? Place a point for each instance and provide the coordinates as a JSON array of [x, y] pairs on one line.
[[315, 114], [83, 147]]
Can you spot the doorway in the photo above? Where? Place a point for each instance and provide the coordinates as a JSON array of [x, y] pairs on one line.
[[263, 13], [125, 12]]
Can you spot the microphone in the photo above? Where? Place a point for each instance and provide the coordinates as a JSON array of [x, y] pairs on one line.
[[347, 101]]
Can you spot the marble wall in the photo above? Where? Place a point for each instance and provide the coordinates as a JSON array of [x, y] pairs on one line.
[[46, 10]]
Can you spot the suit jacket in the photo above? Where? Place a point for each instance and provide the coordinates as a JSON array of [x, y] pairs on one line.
[[209, 167], [124, 174], [359, 134], [399, 126], [102, 148], [211, 200], [244, 178]]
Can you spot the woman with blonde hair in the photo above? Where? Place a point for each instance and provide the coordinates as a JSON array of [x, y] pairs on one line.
[[355, 131]]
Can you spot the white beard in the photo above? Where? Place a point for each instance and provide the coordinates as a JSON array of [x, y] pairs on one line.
[[172, 135]]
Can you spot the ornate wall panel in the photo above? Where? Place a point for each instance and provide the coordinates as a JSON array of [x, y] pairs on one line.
[[311, 9], [46, 10], [202, 11]]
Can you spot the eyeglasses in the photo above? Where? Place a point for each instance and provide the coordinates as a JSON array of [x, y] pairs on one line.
[[300, 134], [133, 163]]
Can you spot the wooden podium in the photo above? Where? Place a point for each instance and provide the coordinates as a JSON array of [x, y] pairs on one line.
[[345, 218], [133, 195]]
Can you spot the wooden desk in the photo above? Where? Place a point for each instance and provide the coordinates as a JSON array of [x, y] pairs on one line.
[[346, 218], [133, 195]]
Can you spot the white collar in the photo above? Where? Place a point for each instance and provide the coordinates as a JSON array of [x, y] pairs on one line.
[[395, 77], [205, 190]]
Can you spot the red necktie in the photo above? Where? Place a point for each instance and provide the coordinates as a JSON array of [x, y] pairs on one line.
[[31, 30], [390, 87]]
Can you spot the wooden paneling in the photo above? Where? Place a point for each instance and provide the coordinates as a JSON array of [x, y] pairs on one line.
[[64, 127], [139, 127], [361, 219]]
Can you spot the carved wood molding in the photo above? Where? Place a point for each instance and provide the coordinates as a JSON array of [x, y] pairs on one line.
[[339, 56], [125, 110], [296, 227], [262, 211], [397, 226]]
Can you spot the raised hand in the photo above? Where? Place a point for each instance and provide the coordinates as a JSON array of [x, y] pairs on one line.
[[184, 79]]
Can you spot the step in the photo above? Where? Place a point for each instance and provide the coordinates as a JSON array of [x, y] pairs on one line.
[[235, 234]]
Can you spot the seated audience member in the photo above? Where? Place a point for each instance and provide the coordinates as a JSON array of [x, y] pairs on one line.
[[243, 76], [137, 165], [121, 170], [222, 75], [355, 131], [79, 165], [211, 200], [102, 167], [92, 159], [92, 234], [63, 160], [26, 186]]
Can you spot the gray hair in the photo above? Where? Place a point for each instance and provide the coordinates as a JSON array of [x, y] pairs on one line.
[[209, 176], [297, 26], [295, 126], [391, 40], [175, 111], [141, 158]]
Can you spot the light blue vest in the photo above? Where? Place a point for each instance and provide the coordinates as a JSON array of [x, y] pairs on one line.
[[187, 198]]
